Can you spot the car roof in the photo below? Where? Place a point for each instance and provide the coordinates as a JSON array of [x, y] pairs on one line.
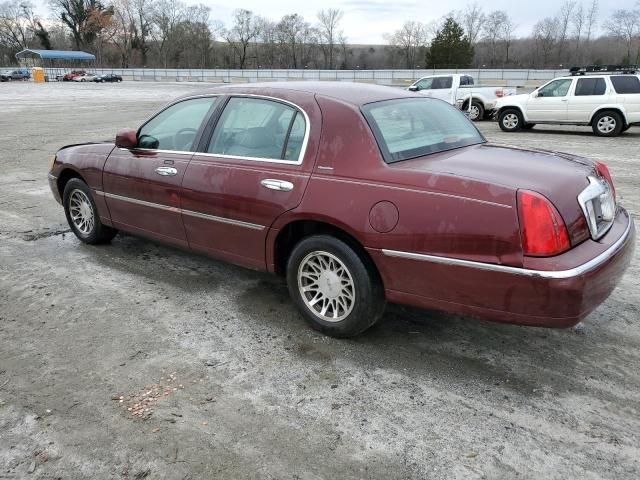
[[349, 92]]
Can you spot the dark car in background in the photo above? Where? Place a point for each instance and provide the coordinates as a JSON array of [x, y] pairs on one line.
[[18, 74], [108, 77]]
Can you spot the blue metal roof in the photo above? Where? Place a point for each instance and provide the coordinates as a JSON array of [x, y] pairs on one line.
[[57, 54]]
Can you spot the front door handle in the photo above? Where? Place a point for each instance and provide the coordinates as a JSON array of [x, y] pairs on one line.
[[166, 171], [274, 184]]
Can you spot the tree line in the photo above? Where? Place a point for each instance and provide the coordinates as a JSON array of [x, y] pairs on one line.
[[172, 34]]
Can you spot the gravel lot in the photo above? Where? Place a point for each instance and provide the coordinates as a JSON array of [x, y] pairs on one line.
[[239, 387]]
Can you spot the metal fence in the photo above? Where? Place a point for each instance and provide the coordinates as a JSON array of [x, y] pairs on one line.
[[504, 77]]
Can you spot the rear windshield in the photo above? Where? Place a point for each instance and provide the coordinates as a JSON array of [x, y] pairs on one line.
[[626, 84], [412, 127]]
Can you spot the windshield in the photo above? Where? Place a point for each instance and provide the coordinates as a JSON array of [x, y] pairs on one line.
[[412, 127]]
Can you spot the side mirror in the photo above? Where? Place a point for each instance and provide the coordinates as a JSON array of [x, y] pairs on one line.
[[126, 138], [414, 88]]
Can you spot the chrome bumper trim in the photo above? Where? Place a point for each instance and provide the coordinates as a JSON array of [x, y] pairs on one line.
[[550, 274], [205, 216]]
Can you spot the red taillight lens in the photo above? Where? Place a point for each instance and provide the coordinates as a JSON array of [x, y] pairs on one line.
[[542, 229], [603, 171], [499, 93]]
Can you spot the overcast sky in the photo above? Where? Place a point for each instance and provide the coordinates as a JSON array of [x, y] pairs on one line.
[[365, 21]]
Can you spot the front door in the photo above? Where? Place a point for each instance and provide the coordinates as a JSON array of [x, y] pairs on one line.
[[142, 185], [254, 167], [549, 103]]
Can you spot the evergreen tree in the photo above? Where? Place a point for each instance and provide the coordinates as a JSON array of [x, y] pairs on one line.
[[450, 47]]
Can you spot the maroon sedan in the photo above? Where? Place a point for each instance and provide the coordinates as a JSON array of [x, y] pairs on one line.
[[358, 195]]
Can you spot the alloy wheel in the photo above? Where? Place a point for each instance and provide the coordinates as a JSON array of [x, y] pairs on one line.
[[81, 212], [326, 286], [606, 124], [510, 121]]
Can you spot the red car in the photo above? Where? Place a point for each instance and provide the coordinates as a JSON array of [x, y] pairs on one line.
[[67, 77], [358, 195]]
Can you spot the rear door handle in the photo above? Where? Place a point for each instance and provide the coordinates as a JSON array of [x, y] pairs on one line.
[[274, 184], [166, 171]]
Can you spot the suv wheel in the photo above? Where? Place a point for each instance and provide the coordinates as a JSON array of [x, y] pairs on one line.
[[510, 120], [82, 214], [337, 291], [607, 124]]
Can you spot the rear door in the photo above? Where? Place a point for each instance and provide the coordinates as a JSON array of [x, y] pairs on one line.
[[551, 102], [627, 88], [142, 185], [254, 166], [589, 93]]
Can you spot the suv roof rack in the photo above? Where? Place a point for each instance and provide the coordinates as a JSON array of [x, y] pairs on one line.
[[600, 69]]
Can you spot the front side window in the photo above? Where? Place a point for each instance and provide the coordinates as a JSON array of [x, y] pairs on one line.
[[424, 84], [413, 127], [557, 88], [176, 127], [258, 128], [590, 87], [626, 83]]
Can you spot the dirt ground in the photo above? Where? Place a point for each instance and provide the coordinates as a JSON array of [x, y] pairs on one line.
[[136, 360]]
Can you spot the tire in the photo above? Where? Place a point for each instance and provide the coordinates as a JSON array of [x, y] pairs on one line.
[[625, 128], [607, 124], [77, 197], [528, 126], [477, 111], [510, 120], [351, 305]]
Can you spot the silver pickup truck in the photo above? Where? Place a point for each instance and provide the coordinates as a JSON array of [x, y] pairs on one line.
[[459, 90]]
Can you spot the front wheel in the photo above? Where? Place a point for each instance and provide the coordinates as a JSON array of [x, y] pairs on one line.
[[82, 214], [338, 292], [607, 124], [510, 120]]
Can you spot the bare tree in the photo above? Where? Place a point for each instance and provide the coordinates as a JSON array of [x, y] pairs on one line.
[[545, 34], [590, 20], [625, 25], [578, 21], [563, 22], [167, 14], [472, 20], [497, 32], [290, 31], [16, 24], [329, 34], [242, 33], [409, 40], [85, 18]]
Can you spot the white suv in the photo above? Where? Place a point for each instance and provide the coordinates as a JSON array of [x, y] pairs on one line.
[[610, 104]]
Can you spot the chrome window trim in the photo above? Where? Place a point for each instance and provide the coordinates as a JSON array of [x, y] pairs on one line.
[[547, 274], [303, 148], [305, 140], [205, 216]]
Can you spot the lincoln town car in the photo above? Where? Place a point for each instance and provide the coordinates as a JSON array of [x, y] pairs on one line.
[[358, 195]]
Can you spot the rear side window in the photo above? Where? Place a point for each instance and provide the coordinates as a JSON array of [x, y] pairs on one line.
[[260, 129], [590, 86], [626, 83], [413, 127], [466, 80], [440, 83]]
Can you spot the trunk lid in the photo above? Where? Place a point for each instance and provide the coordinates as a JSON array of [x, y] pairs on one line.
[[558, 176]]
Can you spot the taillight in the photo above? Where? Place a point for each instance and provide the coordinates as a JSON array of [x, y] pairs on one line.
[[542, 229], [499, 93], [603, 171]]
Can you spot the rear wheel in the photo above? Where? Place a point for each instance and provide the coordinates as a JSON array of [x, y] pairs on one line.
[[607, 124], [510, 120], [82, 214], [476, 112], [336, 290]]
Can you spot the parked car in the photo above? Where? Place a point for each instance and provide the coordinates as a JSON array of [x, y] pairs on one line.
[[67, 77], [108, 77], [609, 104], [18, 74], [85, 77], [459, 90], [358, 195]]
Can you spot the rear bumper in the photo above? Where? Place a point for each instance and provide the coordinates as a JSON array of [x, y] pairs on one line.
[[555, 292]]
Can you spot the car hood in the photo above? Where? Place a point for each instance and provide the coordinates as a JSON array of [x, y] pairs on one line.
[[558, 176]]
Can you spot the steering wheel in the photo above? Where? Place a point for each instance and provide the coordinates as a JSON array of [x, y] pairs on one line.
[[182, 143]]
